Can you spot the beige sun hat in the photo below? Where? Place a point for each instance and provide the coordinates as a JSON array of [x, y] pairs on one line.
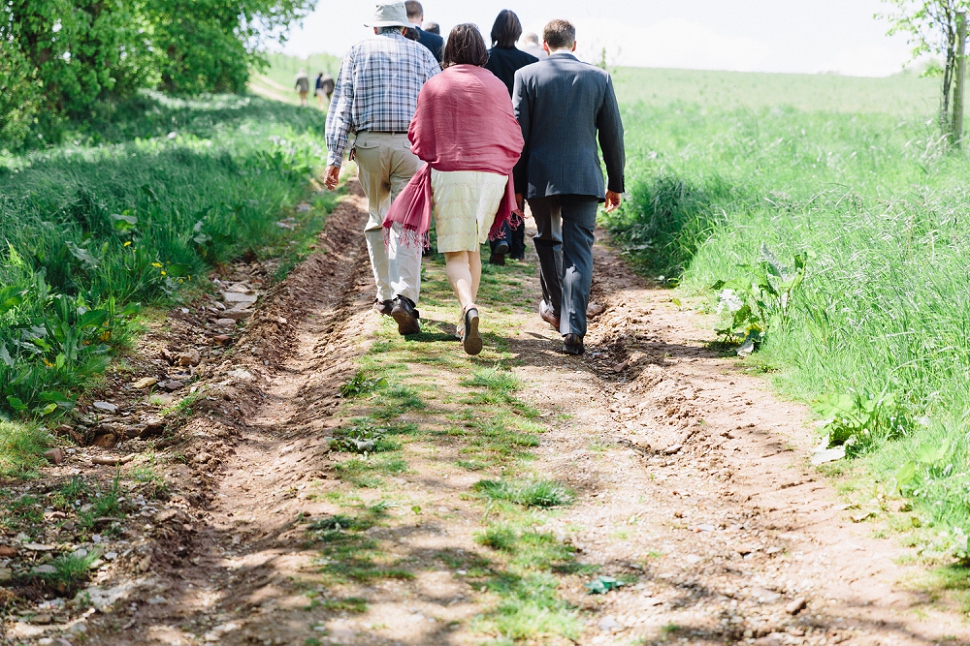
[[392, 14]]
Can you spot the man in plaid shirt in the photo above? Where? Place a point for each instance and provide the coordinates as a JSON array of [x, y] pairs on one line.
[[376, 95]]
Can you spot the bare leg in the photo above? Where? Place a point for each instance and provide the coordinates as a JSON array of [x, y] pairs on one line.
[[463, 281], [475, 269]]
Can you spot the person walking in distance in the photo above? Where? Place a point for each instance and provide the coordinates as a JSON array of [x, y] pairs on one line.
[[302, 86], [324, 87], [375, 96], [465, 130], [530, 45], [504, 60], [434, 43], [564, 106]]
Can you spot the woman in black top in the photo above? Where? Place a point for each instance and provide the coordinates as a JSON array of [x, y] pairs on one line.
[[503, 61]]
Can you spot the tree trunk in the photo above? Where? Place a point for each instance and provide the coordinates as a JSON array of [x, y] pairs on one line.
[[961, 72]]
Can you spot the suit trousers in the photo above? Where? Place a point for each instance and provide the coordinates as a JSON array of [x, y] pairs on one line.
[[515, 239], [564, 244], [385, 164]]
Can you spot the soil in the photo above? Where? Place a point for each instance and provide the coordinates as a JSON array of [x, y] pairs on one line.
[[691, 479]]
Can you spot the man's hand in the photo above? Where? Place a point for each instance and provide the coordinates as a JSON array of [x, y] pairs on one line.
[[332, 177], [520, 202], [612, 201]]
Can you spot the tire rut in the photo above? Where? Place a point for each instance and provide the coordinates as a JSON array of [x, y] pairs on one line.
[[290, 364]]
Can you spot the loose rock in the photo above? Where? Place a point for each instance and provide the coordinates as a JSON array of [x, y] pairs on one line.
[[105, 407], [796, 606], [145, 382], [54, 456], [189, 358]]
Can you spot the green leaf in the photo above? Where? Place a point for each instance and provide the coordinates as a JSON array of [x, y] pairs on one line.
[[16, 403], [93, 319], [931, 454], [10, 297], [46, 410], [123, 223], [82, 254], [906, 474], [178, 271]]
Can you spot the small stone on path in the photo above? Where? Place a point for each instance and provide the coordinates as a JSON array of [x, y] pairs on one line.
[[796, 606], [145, 382], [105, 407], [610, 624]]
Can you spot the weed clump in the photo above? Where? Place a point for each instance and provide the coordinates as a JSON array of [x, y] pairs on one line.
[[536, 493]]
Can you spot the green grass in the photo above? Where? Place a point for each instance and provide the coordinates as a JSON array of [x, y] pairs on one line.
[[21, 446], [145, 200], [535, 493], [903, 94], [728, 169], [71, 571]]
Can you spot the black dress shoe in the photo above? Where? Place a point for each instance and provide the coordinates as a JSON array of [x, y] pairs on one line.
[[547, 315], [471, 340], [498, 256], [383, 307], [406, 316], [573, 344]]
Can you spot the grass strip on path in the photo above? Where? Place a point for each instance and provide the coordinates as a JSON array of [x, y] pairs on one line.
[[432, 438]]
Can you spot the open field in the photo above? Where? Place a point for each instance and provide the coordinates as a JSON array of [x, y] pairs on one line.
[[277, 81], [903, 94], [853, 173]]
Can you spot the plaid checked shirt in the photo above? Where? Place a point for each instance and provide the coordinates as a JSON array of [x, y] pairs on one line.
[[377, 89]]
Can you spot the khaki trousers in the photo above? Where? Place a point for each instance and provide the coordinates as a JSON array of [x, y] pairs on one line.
[[385, 164]]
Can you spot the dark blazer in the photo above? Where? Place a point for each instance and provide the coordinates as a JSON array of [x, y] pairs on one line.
[[433, 42], [564, 107], [504, 62]]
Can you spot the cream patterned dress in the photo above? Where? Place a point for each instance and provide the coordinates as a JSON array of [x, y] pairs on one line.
[[465, 204]]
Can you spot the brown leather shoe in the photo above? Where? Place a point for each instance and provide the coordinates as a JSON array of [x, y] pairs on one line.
[[573, 344], [547, 315], [406, 316], [383, 307]]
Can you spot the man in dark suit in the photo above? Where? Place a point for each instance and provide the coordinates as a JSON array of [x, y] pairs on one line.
[[433, 42], [564, 106]]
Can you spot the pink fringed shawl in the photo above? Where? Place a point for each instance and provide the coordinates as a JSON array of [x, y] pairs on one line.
[[464, 121]]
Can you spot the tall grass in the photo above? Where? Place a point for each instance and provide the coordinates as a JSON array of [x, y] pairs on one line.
[[883, 315], [148, 196]]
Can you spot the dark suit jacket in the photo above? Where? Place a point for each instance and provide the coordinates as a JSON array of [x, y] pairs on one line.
[[564, 107], [433, 42]]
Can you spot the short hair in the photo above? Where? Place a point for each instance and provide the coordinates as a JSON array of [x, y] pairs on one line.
[[506, 29], [432, 28], [531, 38], [414, 9], [465, 46], [559, 34]]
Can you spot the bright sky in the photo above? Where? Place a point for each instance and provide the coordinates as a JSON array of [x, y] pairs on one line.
[[804, 36]]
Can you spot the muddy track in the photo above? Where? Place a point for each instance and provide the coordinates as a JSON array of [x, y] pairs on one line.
[[251, 446], [690, 477]]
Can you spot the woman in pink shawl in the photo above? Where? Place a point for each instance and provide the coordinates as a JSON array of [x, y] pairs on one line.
[[465, 130]]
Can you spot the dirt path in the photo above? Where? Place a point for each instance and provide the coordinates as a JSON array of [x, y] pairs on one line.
[[470, 501]]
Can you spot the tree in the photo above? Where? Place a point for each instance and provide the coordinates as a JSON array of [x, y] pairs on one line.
[[58, 58], [210, 45], [20, 94], [932, 29]]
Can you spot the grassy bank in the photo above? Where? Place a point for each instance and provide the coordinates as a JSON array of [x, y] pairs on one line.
[[878, 334], [143, 202]]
